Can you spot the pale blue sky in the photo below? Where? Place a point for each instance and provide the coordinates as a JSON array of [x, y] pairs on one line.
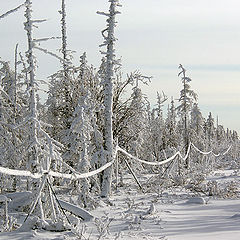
[[154, 37]]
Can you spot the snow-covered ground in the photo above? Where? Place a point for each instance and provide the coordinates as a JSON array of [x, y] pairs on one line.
[[172, 215]]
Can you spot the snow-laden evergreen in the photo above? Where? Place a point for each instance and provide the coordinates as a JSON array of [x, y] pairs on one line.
[[187, 97]]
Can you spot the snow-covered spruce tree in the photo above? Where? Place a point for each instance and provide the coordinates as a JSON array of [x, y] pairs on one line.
[[6, 109], [80, 133], [149, 124], [196, 134], [55, 105], [154, 141], [172, 133], [187, 98], [6, 146], [210, 131], [221, 135], [59, 102], [109, 40], [13, 108], [197, 126], [158, 130], [235, 147], [135, 122], [8, 105], [81, 127], [67, 97], [128, 110], [71, 137]]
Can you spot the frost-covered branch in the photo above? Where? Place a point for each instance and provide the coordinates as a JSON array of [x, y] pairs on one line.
[[45, 39], [64, 33], [12, 11], [51, 53], [38, 21]]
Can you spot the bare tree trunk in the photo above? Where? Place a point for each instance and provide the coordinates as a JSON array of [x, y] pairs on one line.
[[65, 66], [33, 153], [108, 94], [14, 100]]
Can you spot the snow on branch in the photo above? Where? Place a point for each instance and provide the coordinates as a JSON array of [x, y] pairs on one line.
[[38, 20], [52, 54], [12, 11], [7, 96], [103, 13], [45, 39]]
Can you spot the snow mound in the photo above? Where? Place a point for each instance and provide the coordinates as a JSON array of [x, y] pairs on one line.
[[237, 215], [196, 200], [3, 198], [34, 223], [19, 200], [79, 212]]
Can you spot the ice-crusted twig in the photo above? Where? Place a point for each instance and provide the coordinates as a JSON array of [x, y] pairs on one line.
[[38, 20], [12, 11], [52, 54], [102, 225], [45, 39]]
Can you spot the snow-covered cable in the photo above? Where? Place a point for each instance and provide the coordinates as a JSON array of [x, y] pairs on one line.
[[173, 157], [21, 173], [73, 176], [146, 162], [188, 151], [216, 155], [76, 176], [211, 152], [204, 153]]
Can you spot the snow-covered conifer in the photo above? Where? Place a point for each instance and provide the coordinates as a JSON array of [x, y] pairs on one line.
[[196, 126], [210, 130], [171, 127], [157, 140], [187, 97], [80, 132], [66, 80]]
